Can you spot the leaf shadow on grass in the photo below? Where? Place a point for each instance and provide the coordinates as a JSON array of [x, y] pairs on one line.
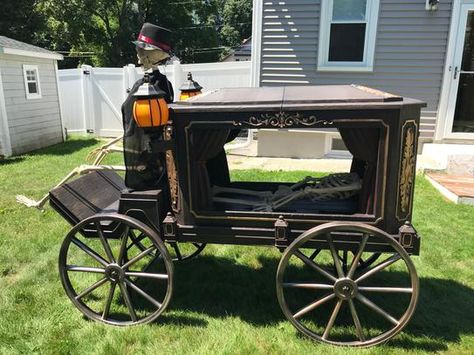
[[182, 320], [59, 149], [68, 147], [11, 160], [218, 287]]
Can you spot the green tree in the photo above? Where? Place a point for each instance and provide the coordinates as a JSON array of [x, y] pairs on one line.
[[107, 27], [236, 22], [22, 25], [100, 32], [101, 27]]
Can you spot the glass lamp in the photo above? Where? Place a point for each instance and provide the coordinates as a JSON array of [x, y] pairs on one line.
[[190, 88], [150, 108]]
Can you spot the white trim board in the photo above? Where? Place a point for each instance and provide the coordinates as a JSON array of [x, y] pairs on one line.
[[257, 23], [61, 116], [25, 53], [5, 130], [443, 125]]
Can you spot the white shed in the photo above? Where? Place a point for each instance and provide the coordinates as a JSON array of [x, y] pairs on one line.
[[30, 111]]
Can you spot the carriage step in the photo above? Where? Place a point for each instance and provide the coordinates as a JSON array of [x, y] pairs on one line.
[[97, 191]]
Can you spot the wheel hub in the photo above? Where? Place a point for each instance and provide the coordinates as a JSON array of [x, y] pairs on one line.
[[114, 273], [345, 289]]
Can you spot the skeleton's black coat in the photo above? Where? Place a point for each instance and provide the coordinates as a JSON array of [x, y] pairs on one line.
[[146, 167]]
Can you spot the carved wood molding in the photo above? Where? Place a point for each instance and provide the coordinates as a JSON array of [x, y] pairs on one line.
[[407, 169], [283, 120], [172, 173]]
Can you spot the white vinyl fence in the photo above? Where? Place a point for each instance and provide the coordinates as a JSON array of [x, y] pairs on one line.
[[91, 98]]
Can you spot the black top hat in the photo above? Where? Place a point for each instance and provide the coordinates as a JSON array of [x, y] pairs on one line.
[[154, 37]]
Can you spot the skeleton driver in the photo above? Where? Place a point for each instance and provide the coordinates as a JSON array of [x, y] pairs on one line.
[[146, 168]]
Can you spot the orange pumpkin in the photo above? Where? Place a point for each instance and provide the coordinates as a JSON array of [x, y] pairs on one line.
[[150, 113]]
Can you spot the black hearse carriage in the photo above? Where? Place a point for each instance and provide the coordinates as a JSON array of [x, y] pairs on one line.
[[345, 276]]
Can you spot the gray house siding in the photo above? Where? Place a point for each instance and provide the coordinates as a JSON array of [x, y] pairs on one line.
[[410, 50], [33, 123]]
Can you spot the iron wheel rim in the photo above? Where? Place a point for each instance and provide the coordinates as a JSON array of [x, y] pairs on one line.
[[177, 253], [117, 285], [344, 226]]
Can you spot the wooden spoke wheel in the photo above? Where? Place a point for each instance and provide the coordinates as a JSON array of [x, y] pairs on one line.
[[177, 251], [185, 251], [108, 277], [351, 308], [363, 262]]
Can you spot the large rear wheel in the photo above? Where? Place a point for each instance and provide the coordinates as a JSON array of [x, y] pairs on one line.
[[353, 307]]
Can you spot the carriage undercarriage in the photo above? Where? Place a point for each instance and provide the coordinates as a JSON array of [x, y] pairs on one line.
[[345, 277]]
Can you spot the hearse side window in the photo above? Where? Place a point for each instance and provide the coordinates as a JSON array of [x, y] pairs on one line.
[[350, 190]]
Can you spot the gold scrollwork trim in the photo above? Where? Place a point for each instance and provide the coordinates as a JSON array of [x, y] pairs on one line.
[[172, 173], [283, 120], [407, 168]]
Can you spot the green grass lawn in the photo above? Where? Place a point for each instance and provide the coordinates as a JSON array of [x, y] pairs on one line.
[[224, 301]]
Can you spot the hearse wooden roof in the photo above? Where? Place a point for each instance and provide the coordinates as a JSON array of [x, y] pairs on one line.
[[292, 97]]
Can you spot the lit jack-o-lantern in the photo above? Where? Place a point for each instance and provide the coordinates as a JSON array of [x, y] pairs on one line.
[[190, 88], [150, 108]]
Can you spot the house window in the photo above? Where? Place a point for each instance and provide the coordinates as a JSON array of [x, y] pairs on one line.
[[347, 35], [32, 83]]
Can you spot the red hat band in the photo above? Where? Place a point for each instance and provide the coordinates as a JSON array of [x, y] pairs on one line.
[[164, 46]]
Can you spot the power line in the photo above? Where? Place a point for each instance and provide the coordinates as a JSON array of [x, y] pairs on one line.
[[212, 48], [89, 54], [79, 56], [200, 26], [75, 53], [184, 2], [197, 52], [188, 2]]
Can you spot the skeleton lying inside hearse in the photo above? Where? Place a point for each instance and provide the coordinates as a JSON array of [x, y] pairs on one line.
[[342, 192]]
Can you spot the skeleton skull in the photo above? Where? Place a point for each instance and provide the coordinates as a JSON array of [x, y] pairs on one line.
[[148, 57]]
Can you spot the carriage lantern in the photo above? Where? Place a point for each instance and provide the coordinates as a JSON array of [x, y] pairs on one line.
[[150, 109], [190, 88]]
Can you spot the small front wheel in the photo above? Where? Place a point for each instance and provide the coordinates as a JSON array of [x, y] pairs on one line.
[[108, 277], [177, 251], [346, 306], [185, 251]]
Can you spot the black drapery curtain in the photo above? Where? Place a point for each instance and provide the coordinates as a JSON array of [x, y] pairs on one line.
[[206, 144], [145, 165], [363, 144], [218, 167]]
